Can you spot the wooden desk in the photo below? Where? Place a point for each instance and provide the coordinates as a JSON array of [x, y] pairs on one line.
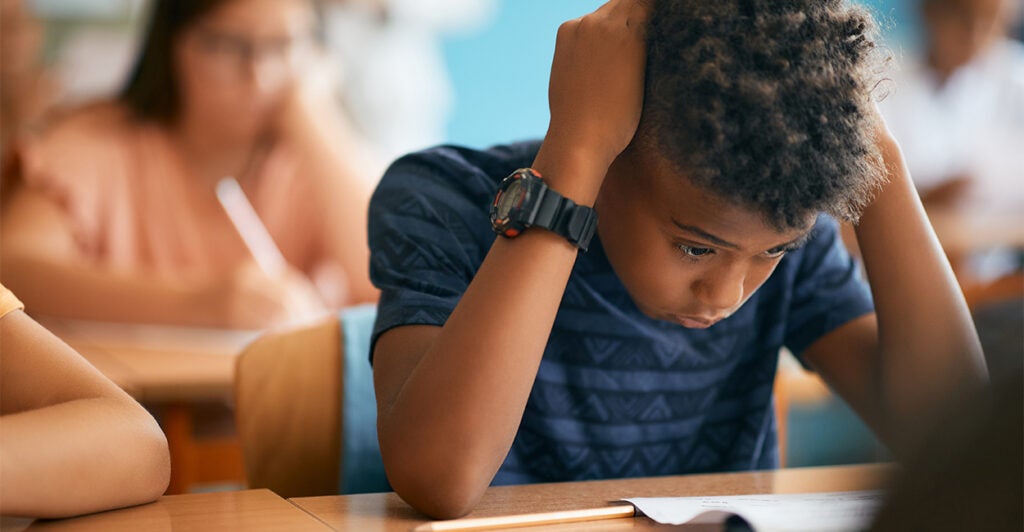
[[971, 229], [238, 510], [383, 512], [157, 363], [965, 230], [171, 370]]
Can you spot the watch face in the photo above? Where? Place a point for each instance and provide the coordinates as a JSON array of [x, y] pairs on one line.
[[510, 198]]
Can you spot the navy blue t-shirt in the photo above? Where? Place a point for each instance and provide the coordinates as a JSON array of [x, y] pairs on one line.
[[618, 394]]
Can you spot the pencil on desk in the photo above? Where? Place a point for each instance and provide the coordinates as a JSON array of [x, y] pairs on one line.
[[522, 520], [255, 235]]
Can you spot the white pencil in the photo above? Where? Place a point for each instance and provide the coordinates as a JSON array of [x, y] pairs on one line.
[[255, 235]]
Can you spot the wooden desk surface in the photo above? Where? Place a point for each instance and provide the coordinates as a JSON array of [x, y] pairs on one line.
[[237, 510], [156, 363], [382, 512]]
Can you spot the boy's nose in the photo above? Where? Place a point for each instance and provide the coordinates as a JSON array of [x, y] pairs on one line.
[[720, 292]]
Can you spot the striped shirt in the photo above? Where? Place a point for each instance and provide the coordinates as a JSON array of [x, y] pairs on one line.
[[618, 394]]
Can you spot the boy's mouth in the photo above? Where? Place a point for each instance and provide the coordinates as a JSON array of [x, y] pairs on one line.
[[694, 322]]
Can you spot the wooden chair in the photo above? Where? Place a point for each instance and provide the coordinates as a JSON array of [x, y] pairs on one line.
[[305, 411]]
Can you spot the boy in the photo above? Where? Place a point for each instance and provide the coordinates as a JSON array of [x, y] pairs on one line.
[[520, 359]]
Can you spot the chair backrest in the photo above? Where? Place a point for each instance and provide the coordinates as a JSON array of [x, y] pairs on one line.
[[288, 393], [306, 412], [362, 468]]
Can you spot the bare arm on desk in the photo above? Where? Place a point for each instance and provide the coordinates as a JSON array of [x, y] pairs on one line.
[[450, 399], [71, 442], [921, 351], [40, 261]]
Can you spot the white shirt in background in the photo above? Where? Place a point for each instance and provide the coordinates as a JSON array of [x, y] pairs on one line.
[[395, 81], [972, 125]]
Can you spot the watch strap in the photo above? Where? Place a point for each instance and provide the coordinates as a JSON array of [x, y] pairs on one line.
[[562, 216]]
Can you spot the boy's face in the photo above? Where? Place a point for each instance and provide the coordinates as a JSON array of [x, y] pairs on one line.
[[684, 255]]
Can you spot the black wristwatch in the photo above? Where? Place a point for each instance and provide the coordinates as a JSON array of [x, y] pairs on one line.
[[524, 201]]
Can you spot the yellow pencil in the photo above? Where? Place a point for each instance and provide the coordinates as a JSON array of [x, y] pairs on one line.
[[546, 518]]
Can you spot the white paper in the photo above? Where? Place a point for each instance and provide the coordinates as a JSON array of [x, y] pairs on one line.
[[832, 511]]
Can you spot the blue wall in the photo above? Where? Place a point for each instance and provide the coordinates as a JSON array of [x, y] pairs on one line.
[[501, 74]]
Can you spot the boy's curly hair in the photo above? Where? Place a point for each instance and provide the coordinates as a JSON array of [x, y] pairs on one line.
[[766, 103]]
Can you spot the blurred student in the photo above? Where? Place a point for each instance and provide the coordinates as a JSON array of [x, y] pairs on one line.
[[71, 441], [670, 233], [396, 82], [27, 91], [117, 218], [957, 107]]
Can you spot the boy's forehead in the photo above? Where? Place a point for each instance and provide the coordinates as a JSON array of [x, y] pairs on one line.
[[676, 198]]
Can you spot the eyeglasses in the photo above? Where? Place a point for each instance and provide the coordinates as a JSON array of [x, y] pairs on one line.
[[230, 55]]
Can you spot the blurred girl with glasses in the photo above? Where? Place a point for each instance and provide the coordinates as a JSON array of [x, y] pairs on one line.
[[117, 219]]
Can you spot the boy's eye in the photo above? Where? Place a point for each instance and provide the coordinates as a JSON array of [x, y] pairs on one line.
[[782, 250], [691, 251]]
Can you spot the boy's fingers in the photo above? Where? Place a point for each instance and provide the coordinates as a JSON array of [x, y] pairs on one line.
[[639, 11], [631, 10], [633, 14], [607, 7], [641, 8]]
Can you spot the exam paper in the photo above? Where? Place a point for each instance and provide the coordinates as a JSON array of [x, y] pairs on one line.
[[832, 511]]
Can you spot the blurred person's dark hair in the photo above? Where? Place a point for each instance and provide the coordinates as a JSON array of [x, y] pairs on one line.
[[152, 89]]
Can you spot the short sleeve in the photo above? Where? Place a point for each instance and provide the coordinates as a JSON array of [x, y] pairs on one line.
[[8, 302], [828, 290], [429, 232]]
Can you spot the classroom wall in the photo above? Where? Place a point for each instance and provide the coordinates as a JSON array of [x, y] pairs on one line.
[[500, 73]]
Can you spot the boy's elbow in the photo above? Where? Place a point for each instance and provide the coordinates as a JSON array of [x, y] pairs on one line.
[[437, 498], [441, 491]]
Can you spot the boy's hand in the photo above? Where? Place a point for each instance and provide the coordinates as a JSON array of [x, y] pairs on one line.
[[597, 85]]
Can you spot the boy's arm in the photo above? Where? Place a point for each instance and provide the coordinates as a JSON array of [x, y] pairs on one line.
[[920, 349], [71, 442], [450, 399]]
